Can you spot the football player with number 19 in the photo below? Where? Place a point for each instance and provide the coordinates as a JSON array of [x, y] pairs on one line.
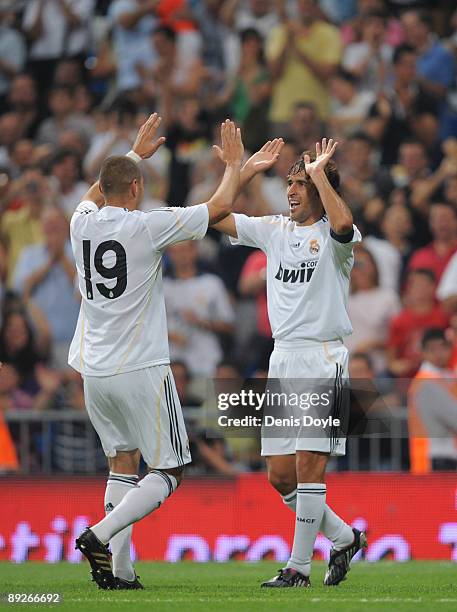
[[121, 346], [309, 262]]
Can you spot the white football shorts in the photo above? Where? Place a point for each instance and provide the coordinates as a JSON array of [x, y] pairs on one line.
[[308, 370], [139, 410]]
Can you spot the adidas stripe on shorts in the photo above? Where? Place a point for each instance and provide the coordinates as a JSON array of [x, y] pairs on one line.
[[139, 410]]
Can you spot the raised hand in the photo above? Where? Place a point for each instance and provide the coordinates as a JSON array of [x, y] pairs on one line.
[[265, 158], [232, 146], [324, 152], [145, 146]]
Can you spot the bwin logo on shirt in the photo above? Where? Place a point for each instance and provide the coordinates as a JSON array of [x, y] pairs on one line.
[[302, 274]]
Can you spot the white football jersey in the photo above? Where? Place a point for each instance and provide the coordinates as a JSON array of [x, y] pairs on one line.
[[122, 323], [308, 273]]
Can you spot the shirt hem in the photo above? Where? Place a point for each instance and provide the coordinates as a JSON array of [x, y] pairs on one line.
[[133, 368]]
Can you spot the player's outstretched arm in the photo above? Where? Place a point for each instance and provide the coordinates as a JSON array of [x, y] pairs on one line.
[[144, 147], [260, 161], [220, 204], [338, 212]]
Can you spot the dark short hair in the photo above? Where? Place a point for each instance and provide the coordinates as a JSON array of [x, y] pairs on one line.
[[248, 33], [331, 169], [400, 51], [413, 142], [433, 333], [345, 75], [362, 357], [62, 154], [375, 14], [425, 18], [168, 32], [303, 105], [423, 272], [65, 89], [362, 136], [117, 174], [447, 205]]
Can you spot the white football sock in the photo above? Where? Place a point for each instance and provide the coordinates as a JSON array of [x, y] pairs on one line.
[[291, 500], [310, 509], [332, 526], [117, 487], [336, 530], [150, 493]]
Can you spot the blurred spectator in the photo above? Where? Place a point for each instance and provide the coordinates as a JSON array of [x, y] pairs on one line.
[[21, 156], [198, 312], [443, 226], [210, 454], [435, 63], [12, 51], [46, 274], [253, 283], [274, 187], [251, 202], [397, 229], [182, 380], [188, 137], [349, 105], [305, 128], [71, 139], [21, 228], [259, 15], [63, 116], [114, 137], [303, 54], [432, 404], [215, 36], [247, 95], [412, 166], [369, 60], [370, 309], [351, 31], [428, 186], [175, 72], [75, 445], [405, 111], [10, 132], [420, 311], [133, 22], [65, 170], [360, 177], [23, 100], [33, 386], [68, 73], [55, 28]]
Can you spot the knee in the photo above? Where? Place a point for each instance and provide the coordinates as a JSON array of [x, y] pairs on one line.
[[311, 466], [283, 482], [178, 473], [125, 462]]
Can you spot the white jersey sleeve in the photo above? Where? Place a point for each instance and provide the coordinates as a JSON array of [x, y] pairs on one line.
[[342, 245], [167, 226], [254, 231], [84, 208]]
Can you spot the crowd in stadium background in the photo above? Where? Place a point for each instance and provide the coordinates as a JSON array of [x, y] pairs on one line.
[[77, 78]]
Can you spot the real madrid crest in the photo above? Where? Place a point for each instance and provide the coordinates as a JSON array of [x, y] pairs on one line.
[[314, 246]]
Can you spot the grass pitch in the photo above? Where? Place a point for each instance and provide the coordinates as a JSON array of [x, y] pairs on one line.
[[235, 586]]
